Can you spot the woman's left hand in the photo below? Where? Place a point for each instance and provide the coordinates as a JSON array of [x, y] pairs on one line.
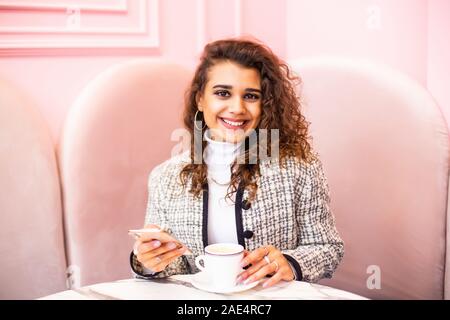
[[266, 261]]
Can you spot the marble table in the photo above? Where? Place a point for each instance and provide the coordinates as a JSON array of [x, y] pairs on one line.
[[179, 287]]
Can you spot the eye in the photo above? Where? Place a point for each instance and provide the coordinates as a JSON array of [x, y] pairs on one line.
[[222, 93], [251, 96]]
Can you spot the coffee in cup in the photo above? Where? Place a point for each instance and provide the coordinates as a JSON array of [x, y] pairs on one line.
[[222, 263]]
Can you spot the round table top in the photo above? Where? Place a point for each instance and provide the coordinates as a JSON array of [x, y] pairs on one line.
[[180, 287]]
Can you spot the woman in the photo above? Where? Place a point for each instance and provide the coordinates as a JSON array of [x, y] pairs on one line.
[[277, 207]]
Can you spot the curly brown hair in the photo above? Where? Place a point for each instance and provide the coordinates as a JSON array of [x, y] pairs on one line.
[[280, 110]]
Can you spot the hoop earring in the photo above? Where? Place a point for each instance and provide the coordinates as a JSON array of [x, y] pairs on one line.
[[195, 122]]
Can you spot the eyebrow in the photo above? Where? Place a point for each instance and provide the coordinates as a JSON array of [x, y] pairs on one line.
[[225, 86]]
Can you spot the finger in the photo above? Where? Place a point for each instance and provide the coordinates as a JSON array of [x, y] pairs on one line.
[[168, 255], [164, 265], [152, 259], [251, 270], [246, 253], [166, 247], [168, 258], [155, 252], [258, 265], [145, 247], [143, 255], [277, 277], [254, 256], [159, 263], [264, 271]]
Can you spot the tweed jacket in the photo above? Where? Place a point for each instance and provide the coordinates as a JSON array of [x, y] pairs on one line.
[[291, 211]]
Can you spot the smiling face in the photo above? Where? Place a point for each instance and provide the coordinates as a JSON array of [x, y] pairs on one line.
[[231, 101]]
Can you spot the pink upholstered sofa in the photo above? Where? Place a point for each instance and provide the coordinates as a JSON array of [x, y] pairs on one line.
[[65, 210], [385, 148]]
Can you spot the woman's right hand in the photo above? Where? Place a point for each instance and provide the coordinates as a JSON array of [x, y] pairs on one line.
[[156, 250]]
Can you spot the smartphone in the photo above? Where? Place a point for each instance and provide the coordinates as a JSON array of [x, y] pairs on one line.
[[136, 233]]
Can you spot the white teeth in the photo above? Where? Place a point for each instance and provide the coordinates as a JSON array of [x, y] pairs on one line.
[[236, 124]]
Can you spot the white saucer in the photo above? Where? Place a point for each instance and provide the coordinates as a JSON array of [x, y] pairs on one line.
[[201, 281]]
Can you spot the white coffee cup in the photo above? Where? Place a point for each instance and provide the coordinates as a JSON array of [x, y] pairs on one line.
[[222, 263]]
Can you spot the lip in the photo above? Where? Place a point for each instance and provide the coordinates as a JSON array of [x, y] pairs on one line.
[[229, 126], [233, 119]]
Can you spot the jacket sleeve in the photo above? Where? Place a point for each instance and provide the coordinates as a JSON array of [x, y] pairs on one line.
[[155, 214], [320, 248]]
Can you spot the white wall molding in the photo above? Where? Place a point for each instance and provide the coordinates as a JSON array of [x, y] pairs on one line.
[[85, 5], [142, 31]]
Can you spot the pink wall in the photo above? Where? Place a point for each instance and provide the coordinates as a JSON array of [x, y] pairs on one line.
[[386, 31], [36, 45], [51, 52], [438, 62]]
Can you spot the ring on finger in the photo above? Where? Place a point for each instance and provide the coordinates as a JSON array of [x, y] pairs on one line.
[[267, 259], [267, 251], [158, 259]]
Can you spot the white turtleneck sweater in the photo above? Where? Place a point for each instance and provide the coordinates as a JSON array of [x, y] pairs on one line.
[[221, 213]]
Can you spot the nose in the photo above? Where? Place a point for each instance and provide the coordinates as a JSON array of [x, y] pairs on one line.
[[237, 106]]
